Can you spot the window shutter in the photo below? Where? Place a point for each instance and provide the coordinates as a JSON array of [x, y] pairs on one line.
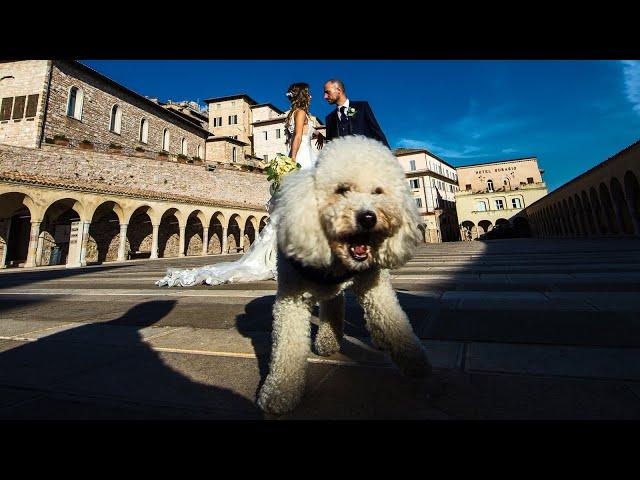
[[32, 105], [5, 110], [18, 107]]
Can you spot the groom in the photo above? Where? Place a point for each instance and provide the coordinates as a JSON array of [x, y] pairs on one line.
[[349, 117]]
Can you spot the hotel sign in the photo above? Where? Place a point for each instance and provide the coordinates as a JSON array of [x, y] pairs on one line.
[[498, 169]]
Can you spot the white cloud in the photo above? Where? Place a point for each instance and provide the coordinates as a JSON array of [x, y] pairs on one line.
[[631, 72], [460, 151]]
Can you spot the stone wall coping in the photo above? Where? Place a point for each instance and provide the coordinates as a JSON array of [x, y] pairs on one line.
[[22, 178]]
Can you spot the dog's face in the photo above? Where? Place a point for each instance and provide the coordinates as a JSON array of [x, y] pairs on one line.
[[358, 201]]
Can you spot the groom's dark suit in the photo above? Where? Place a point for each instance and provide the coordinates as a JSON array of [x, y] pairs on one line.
[[363, 122]]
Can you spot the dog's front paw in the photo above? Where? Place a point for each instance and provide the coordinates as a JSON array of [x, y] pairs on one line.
[[326, 343], [414, 363], [277, 398]]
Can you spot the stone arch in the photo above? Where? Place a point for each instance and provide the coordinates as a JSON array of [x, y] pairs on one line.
[[580, 214], [250, 227], [104, 232], [423, 233], [469, 231], [263, 223], [621, 207], [485, 227], [233, 233], [566, 214], [194, 233], [607, 207], [521, 226], [60, 231], [140, 232], [574, 216], [16, 214], [586, 204], [598, 213], [632, 192], [216, 225], [169, 233]]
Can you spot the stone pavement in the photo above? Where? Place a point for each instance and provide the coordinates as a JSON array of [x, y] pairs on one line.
[[516, 329]]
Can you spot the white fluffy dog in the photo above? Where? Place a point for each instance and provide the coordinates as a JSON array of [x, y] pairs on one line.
[[343, 223]]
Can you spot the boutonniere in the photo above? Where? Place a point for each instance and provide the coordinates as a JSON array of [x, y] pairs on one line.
[[351, 112]]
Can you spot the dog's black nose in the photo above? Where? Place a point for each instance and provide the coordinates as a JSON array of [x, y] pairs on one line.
[[366, 219]]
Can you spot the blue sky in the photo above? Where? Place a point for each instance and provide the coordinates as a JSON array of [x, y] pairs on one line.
[[570, 114]]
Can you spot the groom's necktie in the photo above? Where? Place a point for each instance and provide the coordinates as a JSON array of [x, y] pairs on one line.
[[343, 114]]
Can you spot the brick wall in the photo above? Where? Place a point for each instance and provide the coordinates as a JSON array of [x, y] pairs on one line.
[[99, 98], [132, 172]]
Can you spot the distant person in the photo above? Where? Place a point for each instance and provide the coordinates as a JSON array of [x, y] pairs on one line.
[[350, 117]]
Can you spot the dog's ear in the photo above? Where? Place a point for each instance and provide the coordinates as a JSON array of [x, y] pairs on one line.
[[300, 233], [398, 249]]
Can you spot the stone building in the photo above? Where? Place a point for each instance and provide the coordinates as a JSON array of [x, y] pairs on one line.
[[91, 171], [242, 126], [434, 184], [495, 193], [603, 201]]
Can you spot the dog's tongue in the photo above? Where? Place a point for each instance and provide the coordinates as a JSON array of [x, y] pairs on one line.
[[360, 249]]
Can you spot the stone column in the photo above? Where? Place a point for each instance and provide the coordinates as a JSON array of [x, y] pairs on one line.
[[635, 218], [619, 218], [39, 249], [241, 245], [205, 240], [84, 243], [123, 242], [183, 233], [225, 241], [5, 246], [33, 244], [154, 242]]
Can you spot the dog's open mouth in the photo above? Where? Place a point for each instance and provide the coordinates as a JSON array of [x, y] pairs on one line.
[[359, 247]]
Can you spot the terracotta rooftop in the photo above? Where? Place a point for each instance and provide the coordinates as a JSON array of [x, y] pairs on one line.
[[14, 177]]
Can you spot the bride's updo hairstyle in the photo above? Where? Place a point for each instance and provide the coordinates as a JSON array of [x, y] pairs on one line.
[[298, 94]]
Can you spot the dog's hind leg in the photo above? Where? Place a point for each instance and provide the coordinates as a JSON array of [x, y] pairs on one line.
[[330, 330], [284, 386], [388, 324]]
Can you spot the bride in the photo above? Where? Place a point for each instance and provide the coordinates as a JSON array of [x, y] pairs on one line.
[[259, 262]]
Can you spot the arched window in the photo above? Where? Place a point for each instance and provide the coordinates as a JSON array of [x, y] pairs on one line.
[[144, 130], [200, 151], [490, 185], [165, 140], [183, 146], [116, 119], [74, 103], [233, 155]]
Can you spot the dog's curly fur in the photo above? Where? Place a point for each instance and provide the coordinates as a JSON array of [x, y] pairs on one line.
[[326, 247]]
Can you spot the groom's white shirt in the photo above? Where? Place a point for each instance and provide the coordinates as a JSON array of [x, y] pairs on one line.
[[345, 104]]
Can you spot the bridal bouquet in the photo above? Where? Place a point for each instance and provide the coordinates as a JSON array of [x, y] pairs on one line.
[[278, 168]]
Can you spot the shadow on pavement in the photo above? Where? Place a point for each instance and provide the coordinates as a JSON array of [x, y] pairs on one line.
[[107, 371]]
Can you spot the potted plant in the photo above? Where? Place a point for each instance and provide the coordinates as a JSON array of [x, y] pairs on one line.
[[182, 158], [60, 139], [196, 160], [163, 155], [86, 145], [139, 152]]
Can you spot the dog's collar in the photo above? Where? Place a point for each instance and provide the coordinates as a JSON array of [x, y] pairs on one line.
[[323, 276]]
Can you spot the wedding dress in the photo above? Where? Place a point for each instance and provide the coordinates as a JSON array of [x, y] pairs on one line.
[[259, 262]]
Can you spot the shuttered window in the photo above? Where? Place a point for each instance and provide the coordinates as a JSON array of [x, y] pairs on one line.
[[32, 105], [18, 107], [5, 110]]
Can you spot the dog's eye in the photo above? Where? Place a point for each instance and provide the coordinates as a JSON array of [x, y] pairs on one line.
[[378, 191], [342, 189]]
